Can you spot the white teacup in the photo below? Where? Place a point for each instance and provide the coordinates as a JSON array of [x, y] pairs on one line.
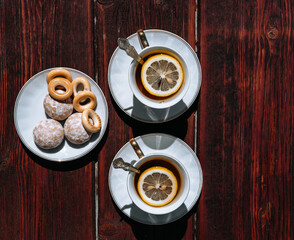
[[149, 101], [182, 180]]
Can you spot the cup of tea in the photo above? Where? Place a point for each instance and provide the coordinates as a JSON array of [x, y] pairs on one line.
[[161, 78], [161, 184]]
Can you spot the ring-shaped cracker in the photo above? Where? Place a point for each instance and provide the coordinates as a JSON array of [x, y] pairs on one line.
[[60, 95], [58, 72], [80, 81], [91, 126], [81, 97]]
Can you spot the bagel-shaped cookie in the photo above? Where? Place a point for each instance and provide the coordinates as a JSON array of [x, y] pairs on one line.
[[59, 72], [93, 125], [60, 82], [87, 98], [80, 82]]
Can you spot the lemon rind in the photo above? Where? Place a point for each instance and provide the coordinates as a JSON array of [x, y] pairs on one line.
[[163, 170], [155, 92]]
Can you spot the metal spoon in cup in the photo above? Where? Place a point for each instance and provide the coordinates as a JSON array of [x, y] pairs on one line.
[[125, 45], [120, 163]]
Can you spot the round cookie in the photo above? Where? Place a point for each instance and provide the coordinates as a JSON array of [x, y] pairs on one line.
[[48, 134], [58, 110], [74, 130]]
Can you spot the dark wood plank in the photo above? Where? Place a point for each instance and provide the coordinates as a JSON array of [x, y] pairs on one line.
[[246, 120], [40, 199], [120, 19]]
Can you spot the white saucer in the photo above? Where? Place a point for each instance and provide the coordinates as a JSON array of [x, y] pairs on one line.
[[155, 143], [29, 111], [118, 78]]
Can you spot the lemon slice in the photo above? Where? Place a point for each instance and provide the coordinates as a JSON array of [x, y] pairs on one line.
[[162, 75], [157, 186]]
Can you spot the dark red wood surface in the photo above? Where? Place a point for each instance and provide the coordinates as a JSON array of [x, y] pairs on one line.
[[245, 118], [40, 199], [120, 19]]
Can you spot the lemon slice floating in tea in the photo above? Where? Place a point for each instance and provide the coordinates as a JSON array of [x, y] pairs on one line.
[[162, 75], [157, 186]]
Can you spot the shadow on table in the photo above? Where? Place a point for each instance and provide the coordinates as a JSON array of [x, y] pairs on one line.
[[72, 165], [176, 127], [174, 230]]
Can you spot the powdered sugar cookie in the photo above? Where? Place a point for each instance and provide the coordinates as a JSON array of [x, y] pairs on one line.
[[74, 130], [48, 134], [58, 110]]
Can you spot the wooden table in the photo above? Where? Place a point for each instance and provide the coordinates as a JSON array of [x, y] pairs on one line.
[[240, 126]]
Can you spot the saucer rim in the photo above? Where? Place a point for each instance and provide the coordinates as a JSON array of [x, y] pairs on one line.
[[192, 98], [195, 197]]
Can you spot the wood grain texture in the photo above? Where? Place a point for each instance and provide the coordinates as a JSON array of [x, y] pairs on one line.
[[40, 199], [120, 19], [246, 120]]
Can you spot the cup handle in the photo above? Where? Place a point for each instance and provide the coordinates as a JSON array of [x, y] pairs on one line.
[[136, 148], [142, 37]]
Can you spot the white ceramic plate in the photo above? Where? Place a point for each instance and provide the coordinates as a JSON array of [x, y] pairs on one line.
[[118, 78], [29, 111], [155, 143]]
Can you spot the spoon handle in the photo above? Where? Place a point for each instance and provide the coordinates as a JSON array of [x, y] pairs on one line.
[[132, 169], [124, 44], [120, 163]]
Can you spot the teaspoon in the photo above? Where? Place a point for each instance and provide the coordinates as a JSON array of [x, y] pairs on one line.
[[124, 44], [120, 163]]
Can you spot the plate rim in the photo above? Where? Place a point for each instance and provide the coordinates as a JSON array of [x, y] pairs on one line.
[[22, 138]]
